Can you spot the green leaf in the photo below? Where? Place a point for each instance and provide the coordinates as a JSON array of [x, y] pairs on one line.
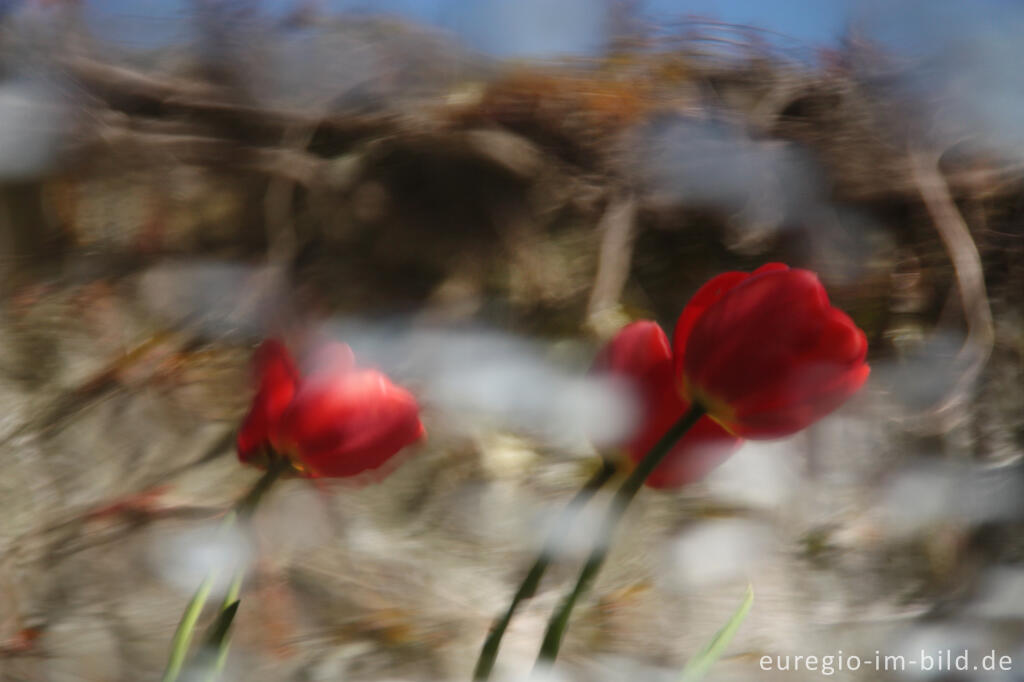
[[183, 635], [208, 663], [699, 665], [219, 630], [186, 626], [218, 639]]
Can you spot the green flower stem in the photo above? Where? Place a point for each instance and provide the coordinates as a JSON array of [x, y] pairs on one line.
[[623, 496], [489, 652], [247, 505], [186, 626]]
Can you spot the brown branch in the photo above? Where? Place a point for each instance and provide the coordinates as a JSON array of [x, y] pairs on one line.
[[615, 258], [970, 276], [136, 92], [182, 147]]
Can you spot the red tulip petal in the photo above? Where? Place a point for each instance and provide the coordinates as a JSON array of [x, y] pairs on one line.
[[275, 373], [819, 382], [706, 296], [277, 379], [785, 420], [754, 336], [841, 340], [636, 350], [342, 426], [770, 267], [640, 354], [694, 455], [772, 356]]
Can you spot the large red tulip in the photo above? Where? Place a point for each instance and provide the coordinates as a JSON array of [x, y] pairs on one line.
[[336, 421], [640, 354], [766, 353]]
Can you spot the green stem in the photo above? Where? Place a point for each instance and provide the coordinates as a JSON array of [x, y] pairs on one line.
[[623, 496], [489, 652], [247, 505], [187, 625]]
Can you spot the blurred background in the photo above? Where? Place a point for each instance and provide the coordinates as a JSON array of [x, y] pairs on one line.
[[474, 195]]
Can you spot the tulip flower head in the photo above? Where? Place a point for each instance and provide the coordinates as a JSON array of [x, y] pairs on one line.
[[337, 420], [766, 353], [640, 354]]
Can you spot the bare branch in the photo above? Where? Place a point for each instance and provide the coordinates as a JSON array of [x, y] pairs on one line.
[[970, 276], [616, 256]]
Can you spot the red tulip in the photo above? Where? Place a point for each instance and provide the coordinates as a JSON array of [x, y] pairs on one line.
[[765, 353], [337, 421], [640, 353]]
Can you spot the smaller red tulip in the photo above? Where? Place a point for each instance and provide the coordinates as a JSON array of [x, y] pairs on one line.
[[640, 354], [765, 352], [336, 421]]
